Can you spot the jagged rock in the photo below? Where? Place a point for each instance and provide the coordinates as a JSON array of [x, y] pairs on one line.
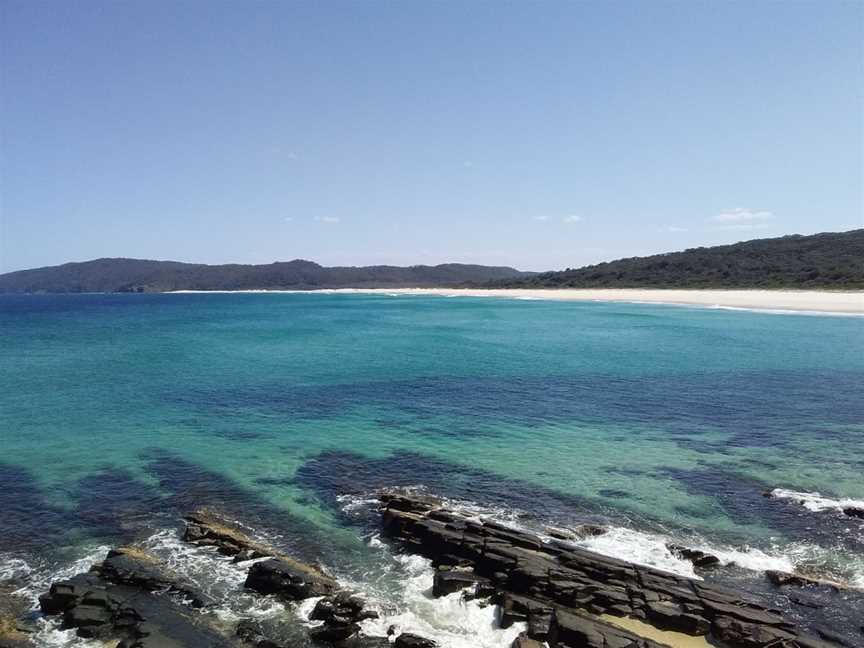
[[524, 641], [112, 601], [540, 623], [408, 640], [249, 631], [341, 614], [205, 528], [330, 632], [697, 557], [246, 554], [781, 579], [288, 579], [64, 594], [588, 530], [447, 582], [560, 534], [854, 511], [530, 575], [132, 567]]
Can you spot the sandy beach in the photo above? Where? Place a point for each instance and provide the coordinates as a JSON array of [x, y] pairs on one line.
[[851, 302]]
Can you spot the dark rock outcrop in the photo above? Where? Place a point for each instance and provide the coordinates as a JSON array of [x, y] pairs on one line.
[[560, 589], [252, 633], [854, 511], [447, 581], [341, 615], [408, 640], [288, 579], [205, 528], [130, 598], [782, 579], [697, 557], [524, 641]]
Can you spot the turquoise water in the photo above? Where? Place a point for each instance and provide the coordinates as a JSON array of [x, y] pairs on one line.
[[118, 409]]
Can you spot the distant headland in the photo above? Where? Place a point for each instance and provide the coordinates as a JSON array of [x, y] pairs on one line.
[[828, 261]]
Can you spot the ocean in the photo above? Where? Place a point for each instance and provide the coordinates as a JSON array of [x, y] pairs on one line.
[[287, 412]]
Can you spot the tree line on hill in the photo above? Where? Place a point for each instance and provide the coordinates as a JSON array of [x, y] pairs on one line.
[[820, 261], [823, 261]]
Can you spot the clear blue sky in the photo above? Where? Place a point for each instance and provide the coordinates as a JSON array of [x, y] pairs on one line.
[[535, 134]]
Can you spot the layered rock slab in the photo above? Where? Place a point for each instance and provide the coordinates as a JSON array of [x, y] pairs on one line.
[[129, 598], [578, 585]]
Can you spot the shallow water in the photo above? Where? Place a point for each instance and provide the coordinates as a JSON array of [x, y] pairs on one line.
[[118, 412]]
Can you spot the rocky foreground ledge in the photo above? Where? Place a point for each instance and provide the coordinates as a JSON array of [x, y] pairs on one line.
[[573, 598], [132, 600], [566, 597]]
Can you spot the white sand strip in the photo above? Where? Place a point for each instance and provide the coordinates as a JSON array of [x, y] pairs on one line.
[[847, 302]]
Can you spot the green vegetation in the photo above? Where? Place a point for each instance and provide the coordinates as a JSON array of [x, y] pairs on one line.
[[134, 275], [831, 260]]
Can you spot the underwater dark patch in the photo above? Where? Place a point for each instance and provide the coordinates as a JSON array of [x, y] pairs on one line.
[[114, 505], [275, 481], [613, 493], [27, 520], [789, 404], [334, 473], [190, 486], [743, 500]]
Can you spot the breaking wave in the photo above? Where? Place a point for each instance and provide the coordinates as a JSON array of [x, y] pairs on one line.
[[815, 501]]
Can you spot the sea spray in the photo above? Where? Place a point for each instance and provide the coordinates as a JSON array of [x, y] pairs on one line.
[[816, 502], [402, 592]]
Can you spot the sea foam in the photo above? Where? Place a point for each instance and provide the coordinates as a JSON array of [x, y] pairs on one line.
[[815, 501]]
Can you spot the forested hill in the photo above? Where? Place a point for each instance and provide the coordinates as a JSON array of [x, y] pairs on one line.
[[134, 275], [828, 261]]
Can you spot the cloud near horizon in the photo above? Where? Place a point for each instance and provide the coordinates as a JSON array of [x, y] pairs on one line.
[[742, 218]]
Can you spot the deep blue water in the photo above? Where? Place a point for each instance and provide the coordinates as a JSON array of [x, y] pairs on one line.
[[117, 412]]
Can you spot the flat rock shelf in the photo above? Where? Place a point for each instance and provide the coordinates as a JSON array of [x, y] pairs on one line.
[[573, 598], [564, 596]]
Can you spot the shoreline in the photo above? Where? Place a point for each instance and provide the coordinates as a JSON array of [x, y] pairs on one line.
[[791, 301]]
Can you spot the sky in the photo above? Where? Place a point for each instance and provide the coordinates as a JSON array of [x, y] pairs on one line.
[[540, 135]]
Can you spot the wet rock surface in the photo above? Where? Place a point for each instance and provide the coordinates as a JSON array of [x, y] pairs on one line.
[[129, 598], [409, 640], [206, 528], [288, 579], [698, 557], [854, 511], [339, 612], [560, 589], [341, 615]]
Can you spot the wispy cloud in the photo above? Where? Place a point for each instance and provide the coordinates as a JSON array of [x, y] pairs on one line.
[[673, 229], [288, 219], [541, 218], [742, 218], [742, 215], [743, 226], [327, 219], [572, 218]]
